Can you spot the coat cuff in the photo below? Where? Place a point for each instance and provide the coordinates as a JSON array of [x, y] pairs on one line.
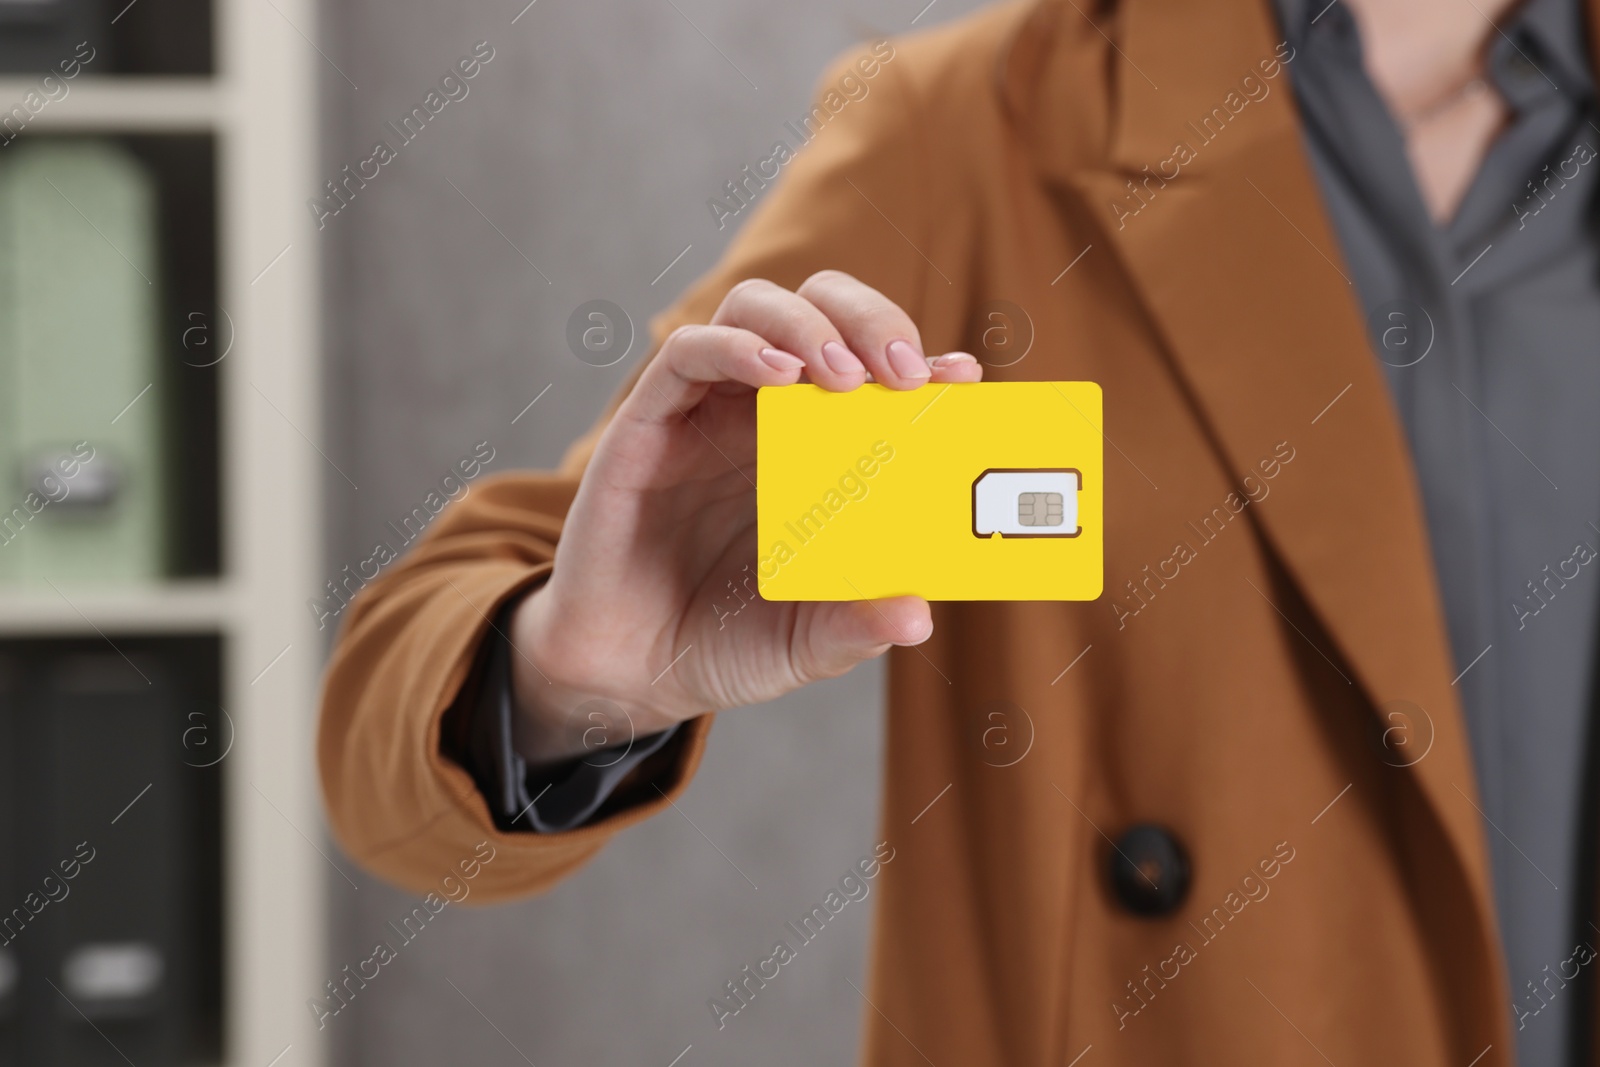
[[545, 800]]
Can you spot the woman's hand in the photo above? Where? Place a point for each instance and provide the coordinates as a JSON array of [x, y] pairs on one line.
[[664, 519]]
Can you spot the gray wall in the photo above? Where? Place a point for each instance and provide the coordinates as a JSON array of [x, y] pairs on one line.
[[591, 141]]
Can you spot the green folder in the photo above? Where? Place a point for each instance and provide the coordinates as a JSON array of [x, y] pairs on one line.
[[79, 366]]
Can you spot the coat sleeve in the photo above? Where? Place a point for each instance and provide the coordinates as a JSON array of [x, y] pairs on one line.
[[852, 198]]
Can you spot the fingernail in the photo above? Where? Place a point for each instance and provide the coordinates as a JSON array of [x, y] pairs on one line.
[[950, 359], [906, 362], [781, 361], [840, 359]]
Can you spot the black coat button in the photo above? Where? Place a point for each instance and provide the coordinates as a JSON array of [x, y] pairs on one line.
[[1149, 870]]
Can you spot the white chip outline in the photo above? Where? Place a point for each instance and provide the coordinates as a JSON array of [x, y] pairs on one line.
[[1075, 472]]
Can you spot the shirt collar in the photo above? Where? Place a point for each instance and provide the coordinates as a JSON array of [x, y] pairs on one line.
[[1549, 33], [1559, 39]]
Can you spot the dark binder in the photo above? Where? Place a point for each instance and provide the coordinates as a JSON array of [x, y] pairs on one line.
[[11, 806], [110, 805], [36, 35], [119, 855]]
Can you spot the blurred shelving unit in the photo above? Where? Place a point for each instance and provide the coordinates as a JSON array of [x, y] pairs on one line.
[[252, 106], [173, 607], [98, 103]]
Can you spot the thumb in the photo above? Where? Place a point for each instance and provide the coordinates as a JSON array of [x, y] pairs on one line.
[[838, 635]]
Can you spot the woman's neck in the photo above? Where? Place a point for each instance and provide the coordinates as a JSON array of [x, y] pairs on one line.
[[1426, 59]]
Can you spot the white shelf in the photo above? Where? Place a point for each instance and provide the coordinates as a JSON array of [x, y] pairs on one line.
[[271, 411], [261, 107], [128, 103], [178, 607]]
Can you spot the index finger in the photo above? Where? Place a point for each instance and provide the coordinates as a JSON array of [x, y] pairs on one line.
[[694, 359], [875, 327]]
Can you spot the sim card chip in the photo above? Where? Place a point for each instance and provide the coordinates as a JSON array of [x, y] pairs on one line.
[[1026, 502], [1039, 509]]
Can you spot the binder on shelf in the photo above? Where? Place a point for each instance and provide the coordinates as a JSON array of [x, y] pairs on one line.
[[10, 847], [114, 947], [36, 35], [80, 396], [116, 943]]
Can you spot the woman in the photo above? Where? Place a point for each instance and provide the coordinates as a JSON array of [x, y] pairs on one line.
[[1275, 809]]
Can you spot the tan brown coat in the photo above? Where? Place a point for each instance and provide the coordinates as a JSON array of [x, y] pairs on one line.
[[1245, 696]]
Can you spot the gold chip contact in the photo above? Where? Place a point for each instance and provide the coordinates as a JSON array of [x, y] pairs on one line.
[[1039, 509]]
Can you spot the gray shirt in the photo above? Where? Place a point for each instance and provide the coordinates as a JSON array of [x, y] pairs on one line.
[[1487, 327]]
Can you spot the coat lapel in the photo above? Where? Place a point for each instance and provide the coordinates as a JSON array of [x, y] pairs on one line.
[[1245, 284]]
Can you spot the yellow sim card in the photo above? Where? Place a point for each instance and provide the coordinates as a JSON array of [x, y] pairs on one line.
[[976, 491]]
